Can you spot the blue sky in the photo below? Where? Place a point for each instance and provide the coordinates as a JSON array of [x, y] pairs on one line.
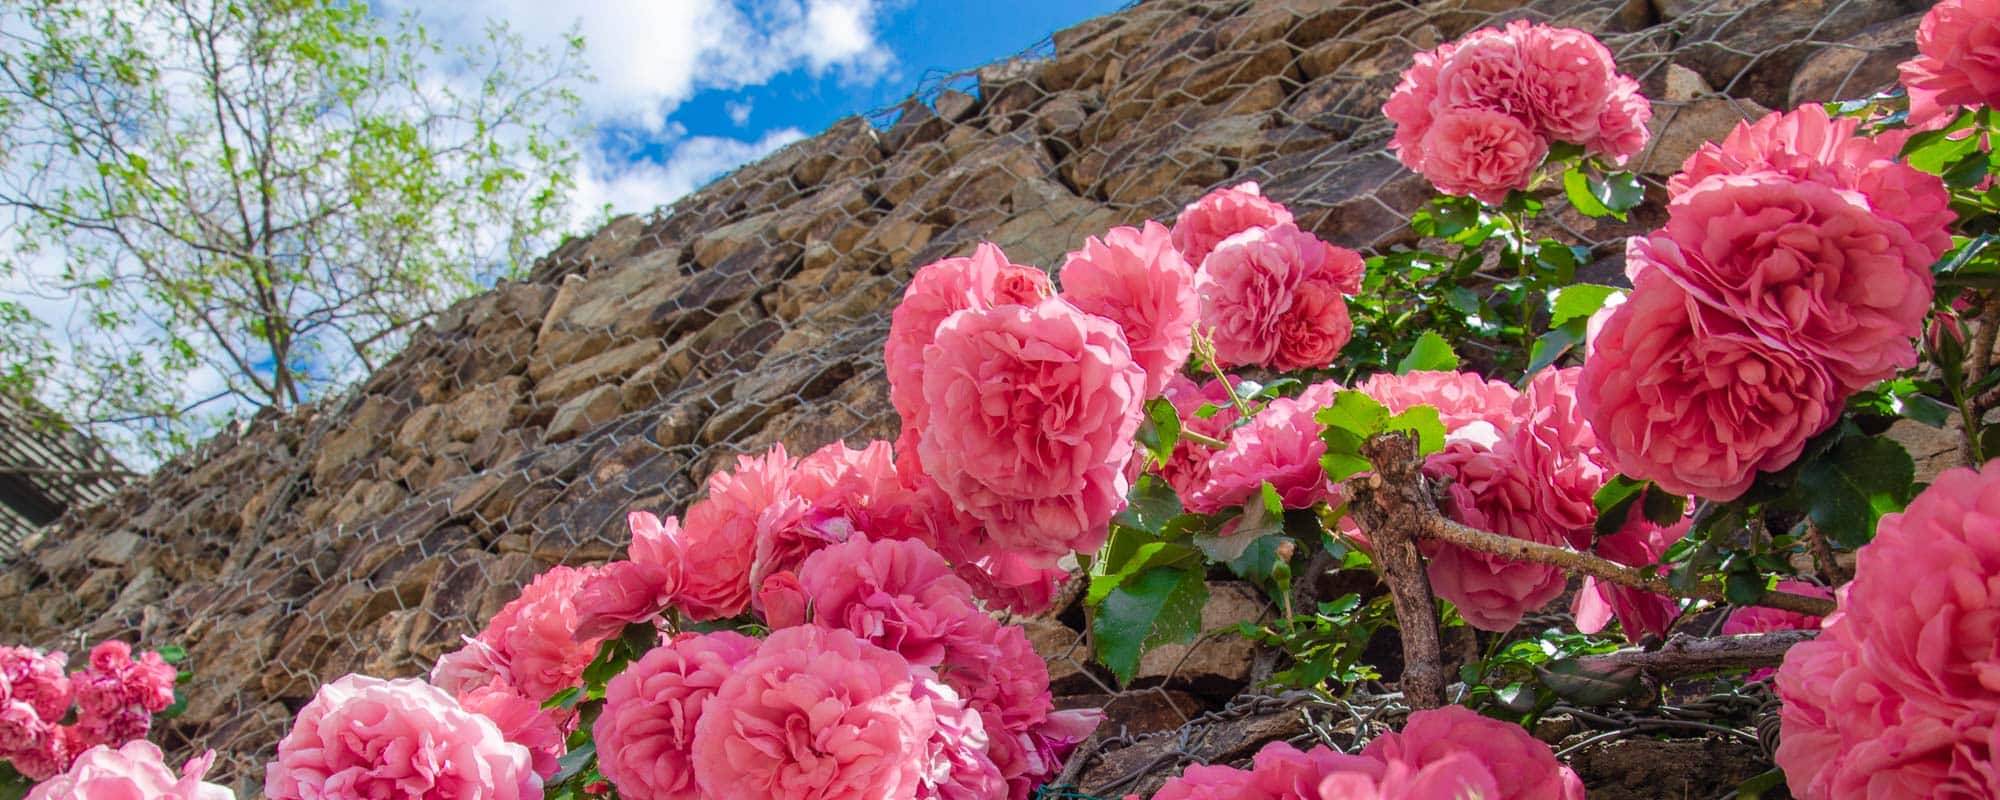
[[688, 89]]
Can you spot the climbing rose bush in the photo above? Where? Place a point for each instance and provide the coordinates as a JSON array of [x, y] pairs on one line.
[[645, 737], [1223, 213], [1135, 277], [1272, 297], [1899, 697], [114, 697]]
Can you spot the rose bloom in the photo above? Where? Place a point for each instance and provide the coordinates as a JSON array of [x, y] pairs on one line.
[[1410, 105], [1621, 128], [1461, 398], [815, 713], [1280, 445], [1553, 441], [1482, 153], [136, 771], [1804, 264], [1489, 490], [645, 737], [1959, 61], [1211, 782], [1458, 775], [1314, 329], [362, 738], [115, 680], [1522, 767], [1186, 470], [524, 722], [1136, 278], [1639, 543], [1758, 619], [1283, 772], [938, 290], [1936, 639], [36, 679], [1223, 213], [1036, 409], [1808, 144], [1567, 77], [849, 491], [638, 590], [724, 533], [898, 595], [1487, 72], [534, 636], [1251, 282], [1684, 396]]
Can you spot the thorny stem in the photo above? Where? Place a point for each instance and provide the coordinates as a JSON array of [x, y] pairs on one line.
[[1978, 363], [1204, 349], [1204, 440]]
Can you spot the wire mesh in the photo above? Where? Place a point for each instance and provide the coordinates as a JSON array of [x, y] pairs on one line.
[[369, 532]]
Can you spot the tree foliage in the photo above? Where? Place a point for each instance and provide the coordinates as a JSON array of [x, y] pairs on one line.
[[250, 202]]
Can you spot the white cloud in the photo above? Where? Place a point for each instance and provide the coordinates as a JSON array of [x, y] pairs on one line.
[[638, 186], [739, 111], [651, 55]]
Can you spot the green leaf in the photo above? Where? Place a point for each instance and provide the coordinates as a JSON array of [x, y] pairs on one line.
[[566, 698], [1161, 429], [1155, 607], [1744, 588], [574, 762], [178, 708], [1430, 353], [1846, 489], [1149, 505], [1663, 508], [1424, 422], [1619, 191], [173, 654], [1576, 186], [1349, 421], [1552, 345], [1579, 300], [1757, 786], [1146, 556]]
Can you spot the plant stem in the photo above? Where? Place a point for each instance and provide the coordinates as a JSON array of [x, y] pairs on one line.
[[1204, 349], [1204, 440]]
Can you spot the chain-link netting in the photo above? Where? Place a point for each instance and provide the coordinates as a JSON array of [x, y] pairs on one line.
[[370, 532]]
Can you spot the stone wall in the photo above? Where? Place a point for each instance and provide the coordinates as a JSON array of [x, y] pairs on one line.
[[368, 533]]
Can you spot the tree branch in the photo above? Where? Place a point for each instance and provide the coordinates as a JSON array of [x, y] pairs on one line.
[[1392, 506], [1687, 656]]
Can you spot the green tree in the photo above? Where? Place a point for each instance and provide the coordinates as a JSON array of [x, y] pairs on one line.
[[273, 191]]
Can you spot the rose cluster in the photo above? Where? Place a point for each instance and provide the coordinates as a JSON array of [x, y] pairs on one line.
[[1899, 697], [1793, 270], [1477, 116], [115, 695], [1019, 400], [135, 771], [1448, 752]]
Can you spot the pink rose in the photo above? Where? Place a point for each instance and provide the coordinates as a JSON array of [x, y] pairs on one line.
[[1187, 469], [645, 736], [1283, 772], [1959, 65], [1482, 153], [363, 737], [938, 290], [784, 601], [1035, 412], [37, 679], [1808, 144], [1461, 398], [1410, 105], [1621, 128], [639, 590], [116, 728], [1684, 396], [531, 645], [1567, 76], [1489, 490], [1639, 543], [1457, 775], [1137, 279], [1758, 619], [1221, 214], [1522, 768], [849, 491], [136, 771], [1486, 72], [900, 596], [1804, 264], [21, 729], [1554, 442], [1252, 280], [725, 533], [1281, 445], [815, 713], [1937, 639], [1212, 782], [524, 722], [1312, 332]]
